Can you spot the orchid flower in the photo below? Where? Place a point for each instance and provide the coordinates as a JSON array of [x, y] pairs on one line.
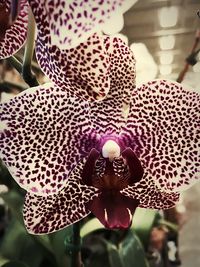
[[75, 156]]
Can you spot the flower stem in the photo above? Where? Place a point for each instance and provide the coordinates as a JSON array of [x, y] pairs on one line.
[[15, 63], [76, 253], [27, 74], [186, 67]]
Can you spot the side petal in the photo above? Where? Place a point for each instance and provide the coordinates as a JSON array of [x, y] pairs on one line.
[[149, 195], [44, 134], [43, 215], [12, 37], [109, 115], [73, 22], [134, 166], [163, 131]]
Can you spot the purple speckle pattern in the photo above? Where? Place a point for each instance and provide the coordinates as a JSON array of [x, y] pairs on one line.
[[107, 115], [44, 134], [72, 22], [83, 70], [15, 35], [163, 130]]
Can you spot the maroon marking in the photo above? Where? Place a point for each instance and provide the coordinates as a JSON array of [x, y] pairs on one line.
[[4, 20], [113, 209], [135, 167]]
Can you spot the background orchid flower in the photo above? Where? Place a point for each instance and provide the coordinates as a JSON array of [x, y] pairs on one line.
[[86, 66], [85, 70], [74, 157], [64, 65], [14, 21], [73, 22]]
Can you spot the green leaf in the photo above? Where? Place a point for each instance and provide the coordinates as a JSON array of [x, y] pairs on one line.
[[14, 264], [15, 202], [113, 255], [5, 176], [3, 260], [91, 226], [143, 222], [132, 252], [57, 241], [17, 244], [98, 255], [171, 226]]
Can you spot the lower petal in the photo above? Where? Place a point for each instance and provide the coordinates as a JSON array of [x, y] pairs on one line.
[[149, 195], [43, 215]]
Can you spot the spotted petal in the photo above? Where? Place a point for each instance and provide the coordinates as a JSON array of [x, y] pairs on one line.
[[72, 22], [44, 134], [51, 213], [84, 70], [87, 69], [163, 130], [91, 69], [109, 115], [12, 36]]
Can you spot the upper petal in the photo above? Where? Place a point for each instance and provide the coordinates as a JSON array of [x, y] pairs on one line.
[[109, 115], [46, 214], [44, 134], [14, 35], [84, 70], [72, 22], [163, 131], [89, 67]]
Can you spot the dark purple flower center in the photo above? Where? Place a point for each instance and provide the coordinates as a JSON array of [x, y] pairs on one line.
[[113, 209], [8, 17], [4, 20]]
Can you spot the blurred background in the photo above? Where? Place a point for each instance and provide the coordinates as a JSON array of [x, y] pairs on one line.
[[165, 38]]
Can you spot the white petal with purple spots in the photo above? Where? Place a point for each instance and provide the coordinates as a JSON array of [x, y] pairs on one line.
[[163, 130], [46, 214], [72, 22], [44, 134]]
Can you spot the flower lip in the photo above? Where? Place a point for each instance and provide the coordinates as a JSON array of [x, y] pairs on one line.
[[114, 211]]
